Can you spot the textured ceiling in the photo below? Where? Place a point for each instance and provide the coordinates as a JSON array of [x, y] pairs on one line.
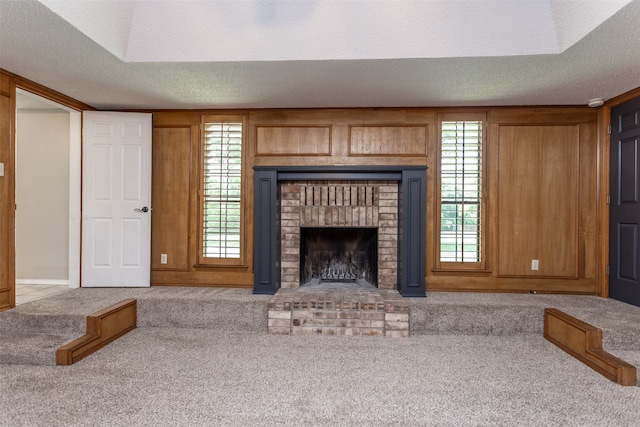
[[350, 53]]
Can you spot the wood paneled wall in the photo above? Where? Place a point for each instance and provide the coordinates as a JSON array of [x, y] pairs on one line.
[[542, 200], [544, 195], [541, 173], [7, 193], [171, 208], [175, 201]]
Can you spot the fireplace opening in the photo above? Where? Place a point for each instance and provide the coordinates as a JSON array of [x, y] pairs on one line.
[[339, 255]]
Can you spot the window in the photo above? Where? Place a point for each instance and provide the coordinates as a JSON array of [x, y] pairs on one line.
[[222, 191], [461, 219]]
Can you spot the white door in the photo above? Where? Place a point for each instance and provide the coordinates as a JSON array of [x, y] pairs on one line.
[[116, 199]]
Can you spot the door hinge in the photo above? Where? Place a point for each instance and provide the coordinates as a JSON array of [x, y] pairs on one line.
[[609, 129], [608, 199], [606, 270]]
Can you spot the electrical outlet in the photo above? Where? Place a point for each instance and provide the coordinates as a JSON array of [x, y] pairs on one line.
[[163, 258], [534, 264]]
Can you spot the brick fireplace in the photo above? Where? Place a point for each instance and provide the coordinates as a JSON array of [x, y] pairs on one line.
[[390, 200], [334, 215]]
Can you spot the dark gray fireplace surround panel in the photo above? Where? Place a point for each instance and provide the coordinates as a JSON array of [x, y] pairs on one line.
[[412, 207]]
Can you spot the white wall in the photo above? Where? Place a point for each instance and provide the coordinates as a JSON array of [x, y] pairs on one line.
[[42, 195]]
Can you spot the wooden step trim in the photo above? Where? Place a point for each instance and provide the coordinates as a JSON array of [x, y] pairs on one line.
[[584, 342], [103, 327]]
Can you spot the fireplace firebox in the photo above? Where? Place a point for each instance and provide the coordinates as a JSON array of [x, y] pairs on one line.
[[338, 255]]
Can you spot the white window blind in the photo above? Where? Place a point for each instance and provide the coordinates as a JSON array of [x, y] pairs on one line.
[[460, 192], [222, 190]]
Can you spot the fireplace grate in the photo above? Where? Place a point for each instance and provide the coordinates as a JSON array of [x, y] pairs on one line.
[[338, 271]]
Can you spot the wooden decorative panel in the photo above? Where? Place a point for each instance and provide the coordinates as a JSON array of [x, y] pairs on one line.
[[390, 140], [538, 169], [584, 342], [103, 327], [171, 185], [293, 140]]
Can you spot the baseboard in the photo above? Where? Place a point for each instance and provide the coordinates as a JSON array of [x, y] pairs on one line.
[[103, 327], [584, 342], [41, 282]]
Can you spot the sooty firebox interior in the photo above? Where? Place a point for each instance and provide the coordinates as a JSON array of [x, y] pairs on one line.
[[342, 254]]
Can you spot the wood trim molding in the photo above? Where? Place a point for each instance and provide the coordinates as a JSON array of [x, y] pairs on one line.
[[621, 99], [45, 92], [7, 191], [584, 342], [103, 326], [603, 166]]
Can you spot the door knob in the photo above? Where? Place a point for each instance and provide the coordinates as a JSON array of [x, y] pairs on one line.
[[144, 209]]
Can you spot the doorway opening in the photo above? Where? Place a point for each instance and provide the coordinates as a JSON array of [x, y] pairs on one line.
[[48, 146]]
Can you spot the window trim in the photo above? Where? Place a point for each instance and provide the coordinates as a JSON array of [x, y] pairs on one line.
[[203, 261], [460, 266]]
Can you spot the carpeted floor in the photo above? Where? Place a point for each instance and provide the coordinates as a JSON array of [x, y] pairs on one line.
[[201, 357], [201, 377]]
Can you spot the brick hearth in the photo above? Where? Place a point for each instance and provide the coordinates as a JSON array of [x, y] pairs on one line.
[[336, 311]]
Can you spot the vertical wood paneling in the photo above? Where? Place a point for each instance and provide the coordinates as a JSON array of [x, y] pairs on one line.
[[504, 214], [171, 188], [517, 199], [559, 201], [537, 200], [587, 203]]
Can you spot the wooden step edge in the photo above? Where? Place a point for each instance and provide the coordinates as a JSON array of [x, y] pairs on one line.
[[584, 342], [103, 327]]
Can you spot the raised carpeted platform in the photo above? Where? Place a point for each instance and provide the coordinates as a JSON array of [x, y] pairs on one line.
[[202, 356], [30, 333]]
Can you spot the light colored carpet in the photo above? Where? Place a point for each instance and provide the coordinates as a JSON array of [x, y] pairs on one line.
[[201, 357], [202, 377]]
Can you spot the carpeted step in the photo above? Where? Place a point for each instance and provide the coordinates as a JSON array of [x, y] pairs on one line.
[[222, 314], [457, 319], [31, 333], [521, 314], [30, 348], [620, 339], [27, 322]]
